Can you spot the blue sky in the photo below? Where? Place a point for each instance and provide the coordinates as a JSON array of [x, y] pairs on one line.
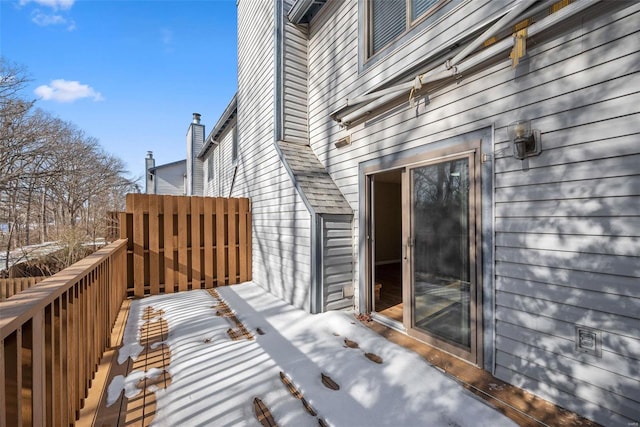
[[129, 73]]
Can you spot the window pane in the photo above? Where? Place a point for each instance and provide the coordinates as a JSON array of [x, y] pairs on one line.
[[441, 261], [388, 21], [418, 7], [210, 168], [234, 145]]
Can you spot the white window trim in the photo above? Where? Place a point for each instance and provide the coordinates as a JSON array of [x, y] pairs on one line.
[[367, 64], [409, 25]]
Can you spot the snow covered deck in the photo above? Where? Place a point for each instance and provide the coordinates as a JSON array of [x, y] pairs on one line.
[[211, 357]]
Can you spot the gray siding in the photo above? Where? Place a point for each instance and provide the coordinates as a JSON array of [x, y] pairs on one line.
[[567, 229], [226, 167], [169, 179], [295, 83], [223, 167], [567, 250], [195, 166], [337, 262], [281, 222], [211, 183]]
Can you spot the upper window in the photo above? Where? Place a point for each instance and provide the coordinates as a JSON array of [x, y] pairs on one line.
[[234, 146], [388, 19], [210, 169]]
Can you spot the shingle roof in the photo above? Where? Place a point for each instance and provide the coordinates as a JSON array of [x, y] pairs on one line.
[[313, 180]]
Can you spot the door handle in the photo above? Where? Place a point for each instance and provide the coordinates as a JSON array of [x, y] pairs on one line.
[[410, 243]]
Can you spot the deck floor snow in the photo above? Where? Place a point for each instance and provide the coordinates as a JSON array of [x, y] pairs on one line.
[[215, 379]]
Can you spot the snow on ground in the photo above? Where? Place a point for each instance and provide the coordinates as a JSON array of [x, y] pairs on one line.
[[30, 252], [215, 379]]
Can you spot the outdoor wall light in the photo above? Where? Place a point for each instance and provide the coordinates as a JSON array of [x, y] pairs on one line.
[[526, 142]]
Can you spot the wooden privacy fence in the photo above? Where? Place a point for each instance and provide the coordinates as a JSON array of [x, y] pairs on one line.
[[178, 243], [10, 287], [53, 335]]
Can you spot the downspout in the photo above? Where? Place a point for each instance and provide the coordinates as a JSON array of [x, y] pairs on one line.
[[279, 75], [493, 250], [233, 180]]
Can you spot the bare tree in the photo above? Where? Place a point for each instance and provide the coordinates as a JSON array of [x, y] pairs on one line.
[[50, 172]]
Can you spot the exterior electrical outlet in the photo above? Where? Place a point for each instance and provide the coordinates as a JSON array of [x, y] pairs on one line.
[[588, 341]]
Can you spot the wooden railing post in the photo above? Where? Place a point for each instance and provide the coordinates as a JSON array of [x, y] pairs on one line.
[[38, 381]]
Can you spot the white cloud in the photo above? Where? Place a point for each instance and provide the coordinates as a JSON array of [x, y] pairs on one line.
[[44, 20], [61, 90], [54, 4]]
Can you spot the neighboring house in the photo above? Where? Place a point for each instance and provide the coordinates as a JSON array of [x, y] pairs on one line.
[[165, 179], [374, 141], [184, 177]]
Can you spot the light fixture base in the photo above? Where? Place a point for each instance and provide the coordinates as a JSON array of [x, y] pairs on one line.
[[524, 147]]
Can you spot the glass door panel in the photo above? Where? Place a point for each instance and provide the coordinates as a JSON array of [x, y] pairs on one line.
[[442, 259]]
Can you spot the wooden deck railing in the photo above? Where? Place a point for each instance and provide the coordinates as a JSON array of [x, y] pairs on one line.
[[53, 335], [10, 287]]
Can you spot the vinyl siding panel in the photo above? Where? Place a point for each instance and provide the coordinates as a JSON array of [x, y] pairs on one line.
[[567, 222], [211, 183], [281, 222], [337, 262], [295, 83], [170, 179], [223, 165]]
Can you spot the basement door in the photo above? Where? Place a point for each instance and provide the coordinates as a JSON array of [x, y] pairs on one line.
[[440, 260]]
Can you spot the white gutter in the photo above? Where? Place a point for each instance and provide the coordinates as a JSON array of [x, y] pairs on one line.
[[298, 10], [448, 69]]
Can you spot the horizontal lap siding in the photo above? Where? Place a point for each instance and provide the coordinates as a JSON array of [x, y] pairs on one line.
[[295, 84], [224, 163], [281, 223], [337, 259], [211, 183], [568, 228], [170, 180]]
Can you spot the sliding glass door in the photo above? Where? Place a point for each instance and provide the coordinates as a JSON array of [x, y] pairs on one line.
[[441, 269]]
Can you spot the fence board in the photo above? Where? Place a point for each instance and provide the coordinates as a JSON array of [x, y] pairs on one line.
[[232, 217], [220, 241], [154, 245], [183, 242], [209, 207], [245, 257], [201, 242], [196, 244], [140, 206], [169, 277]]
